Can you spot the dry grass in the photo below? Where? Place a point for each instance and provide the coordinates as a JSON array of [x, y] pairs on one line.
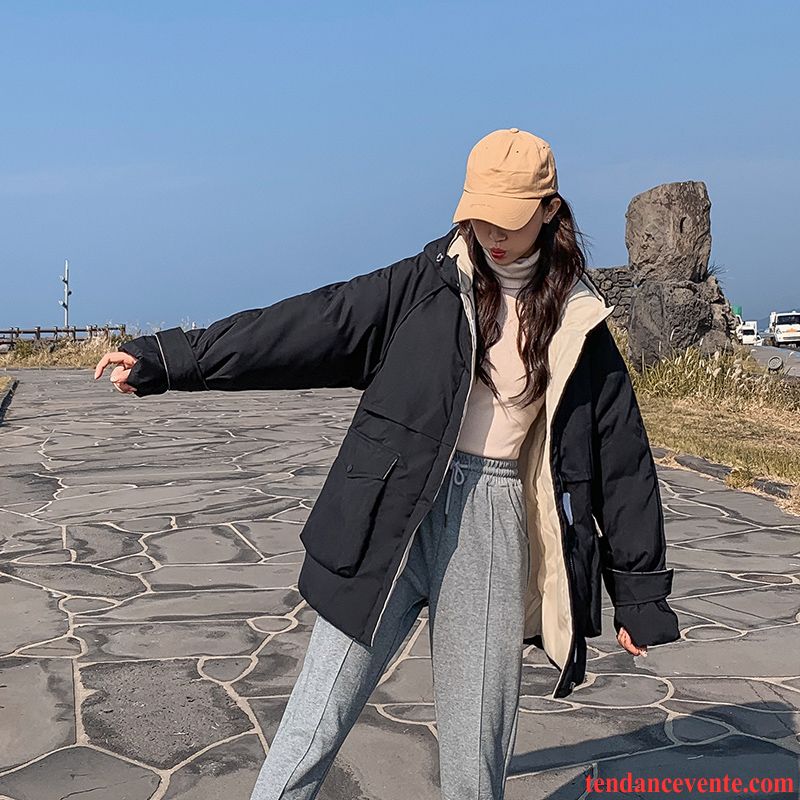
[[753, 445], [725, 408], [734, 378], [61, 353]]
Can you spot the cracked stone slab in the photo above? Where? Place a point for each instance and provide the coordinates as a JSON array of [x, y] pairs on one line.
[[409, 681], [37, 702], [587, 734], [688, 583], [764, 720], [134, 565], [759, 542], [222, 504], [381, 759], [54, 557], [78, 605], [177, 606], [216, 544], [758, 510], [80, 772], [147, 524], [692, 558], [767, 653], [278, 664], [65, 647], [78, 580], [21, 535], [167, 640], [759, 607], [272, 537], [268, 711], [623, 691], [223, 576], [227, 771], [94, 543], [692, 529], [157, 712], [30, 615], [225, 669], [27, 485]]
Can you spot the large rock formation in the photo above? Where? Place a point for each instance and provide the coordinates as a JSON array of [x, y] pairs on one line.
[[668, 232], [674, 302]]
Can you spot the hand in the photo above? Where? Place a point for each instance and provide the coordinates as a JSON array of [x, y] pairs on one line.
[[624, 638], [119, 375]]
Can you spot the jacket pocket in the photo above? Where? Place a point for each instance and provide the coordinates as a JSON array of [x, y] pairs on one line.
[[338, 529], [584, 555]]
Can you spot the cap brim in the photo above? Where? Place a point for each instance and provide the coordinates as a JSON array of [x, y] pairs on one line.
[[511, 213]]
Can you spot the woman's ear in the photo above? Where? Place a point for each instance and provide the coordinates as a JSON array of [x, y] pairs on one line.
[[552, 208]]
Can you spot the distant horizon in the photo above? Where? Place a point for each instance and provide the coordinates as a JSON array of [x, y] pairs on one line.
[[762, 321], [194, 160]]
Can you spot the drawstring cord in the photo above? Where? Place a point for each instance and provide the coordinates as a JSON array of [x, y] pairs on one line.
[[456, 476]]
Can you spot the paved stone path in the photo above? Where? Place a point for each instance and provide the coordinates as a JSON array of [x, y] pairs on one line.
[[152, 629]]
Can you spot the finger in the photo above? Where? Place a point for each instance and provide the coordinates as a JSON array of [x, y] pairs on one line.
[[624, 638], [122, 386], [114, 357], [119, 377], [101, 365], [633, 648]]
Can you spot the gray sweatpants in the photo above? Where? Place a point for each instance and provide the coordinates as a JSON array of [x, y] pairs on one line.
[[469, 562]]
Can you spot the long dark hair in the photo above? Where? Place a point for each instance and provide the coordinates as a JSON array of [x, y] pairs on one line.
[[539, 303]]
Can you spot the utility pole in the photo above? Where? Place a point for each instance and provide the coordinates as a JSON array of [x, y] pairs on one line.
[[67, 293]]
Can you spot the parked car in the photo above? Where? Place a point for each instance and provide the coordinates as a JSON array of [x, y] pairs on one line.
[[783, 328], [747, 332]]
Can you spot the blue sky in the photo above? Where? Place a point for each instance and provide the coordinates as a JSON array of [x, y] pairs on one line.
[[193, 159]]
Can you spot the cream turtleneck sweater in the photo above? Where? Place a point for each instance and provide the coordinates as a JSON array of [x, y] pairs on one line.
[[494, 427]]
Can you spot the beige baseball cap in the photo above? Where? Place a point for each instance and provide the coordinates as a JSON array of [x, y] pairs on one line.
[[509, 171]]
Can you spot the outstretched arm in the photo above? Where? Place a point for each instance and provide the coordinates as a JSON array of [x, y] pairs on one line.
[[627, 503], [333, 336]]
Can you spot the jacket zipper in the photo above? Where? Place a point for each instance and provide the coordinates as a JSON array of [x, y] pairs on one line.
[[474, 338]]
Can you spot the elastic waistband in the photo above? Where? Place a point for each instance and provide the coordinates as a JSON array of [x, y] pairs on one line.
[[503, 467]]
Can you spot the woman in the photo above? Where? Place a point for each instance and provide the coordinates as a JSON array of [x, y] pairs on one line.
[[486, 364]]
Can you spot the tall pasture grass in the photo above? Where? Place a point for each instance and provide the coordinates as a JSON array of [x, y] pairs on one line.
[[732, 378]]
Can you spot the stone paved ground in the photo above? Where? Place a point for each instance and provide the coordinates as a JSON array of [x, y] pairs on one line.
[[152, 628]]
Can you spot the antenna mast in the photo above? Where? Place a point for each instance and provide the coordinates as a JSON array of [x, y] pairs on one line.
[[67, 293]]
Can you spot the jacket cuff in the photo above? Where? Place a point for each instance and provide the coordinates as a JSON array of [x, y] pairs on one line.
[[183, 372], [648, 623], [629, 587], [148, 375], [640, 604]]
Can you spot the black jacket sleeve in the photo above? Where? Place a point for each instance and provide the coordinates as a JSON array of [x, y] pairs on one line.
[[332, 336], [626, 502]]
